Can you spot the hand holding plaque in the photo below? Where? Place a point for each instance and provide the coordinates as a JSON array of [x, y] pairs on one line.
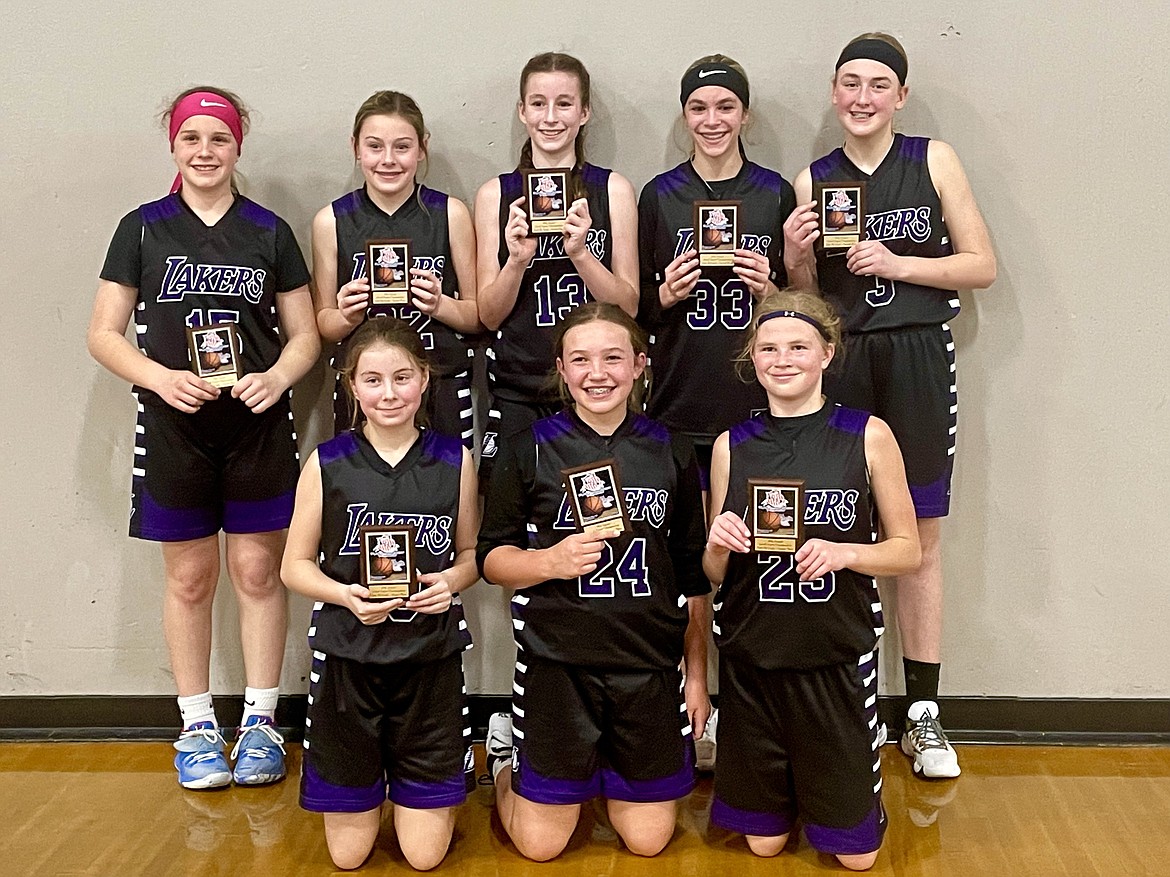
[[717, 231], [841, 210], [387, 558], [595, 494], [389, 269], [776, 513], [215, 354], [546, 199]]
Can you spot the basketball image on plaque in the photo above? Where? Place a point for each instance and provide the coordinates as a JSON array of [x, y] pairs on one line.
[[841, 208], [214, 352], [387, 558], [776, 514], [596, 496], [717, 232], [546, 200], [389, 263]]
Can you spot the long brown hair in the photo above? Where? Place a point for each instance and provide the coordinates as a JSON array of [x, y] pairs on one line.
[[558, 62]]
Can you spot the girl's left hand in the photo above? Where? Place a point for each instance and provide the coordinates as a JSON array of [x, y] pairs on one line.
[[817, 558], [871, 258], [426, 290], [432, 600], [259, 390], [577, 225], [754, 270]]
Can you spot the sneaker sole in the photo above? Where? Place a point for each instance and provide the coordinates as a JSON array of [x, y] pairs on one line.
[[258, 779], [211, 781]]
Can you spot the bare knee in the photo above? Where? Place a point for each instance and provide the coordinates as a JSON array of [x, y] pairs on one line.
[[426, 857], [192, 576], [350, 837], [424, 835], [647, 843], [859, 862], [347, 855], [766, 847], [539, 846], [255, 572]]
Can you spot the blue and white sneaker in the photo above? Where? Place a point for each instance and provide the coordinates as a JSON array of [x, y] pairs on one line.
[[258, 753], [200, 761]]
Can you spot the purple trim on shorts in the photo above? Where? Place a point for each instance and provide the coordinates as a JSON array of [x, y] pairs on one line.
[[749, 429], [527, 783], [320, 796], [865, 837], [258, 516], [678, 785], [753, 822], [849, 420], [160, 524], [257, 215], [450, 792], [934, 500]]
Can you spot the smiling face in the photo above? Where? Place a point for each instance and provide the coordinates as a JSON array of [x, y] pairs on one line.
[[388, 151], [866, 94], [205, 152], [388, 385], [714, 116], [599, 367], [553, 112], [790, 358]]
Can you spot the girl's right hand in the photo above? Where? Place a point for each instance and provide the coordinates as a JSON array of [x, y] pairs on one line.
[[729, 533], [521, 248], [185, 391], [680, 278], [355, 598], [575, 555], [801, 230], [353, 299]]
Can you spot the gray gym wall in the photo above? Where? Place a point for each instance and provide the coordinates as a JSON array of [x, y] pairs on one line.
[[1054, 585]]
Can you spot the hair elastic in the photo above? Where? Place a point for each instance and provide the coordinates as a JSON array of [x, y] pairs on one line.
[[875, 50], [204, 103], [715, 73], [796, 315]]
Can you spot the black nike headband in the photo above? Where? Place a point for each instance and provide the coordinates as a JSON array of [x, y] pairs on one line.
[[719, 74], [875, 50]]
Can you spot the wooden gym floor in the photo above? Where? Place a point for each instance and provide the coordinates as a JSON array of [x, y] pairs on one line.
[[115, 810]]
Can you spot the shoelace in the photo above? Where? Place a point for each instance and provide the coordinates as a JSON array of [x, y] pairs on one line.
[[209, 735], [927, 733], [258, 751]]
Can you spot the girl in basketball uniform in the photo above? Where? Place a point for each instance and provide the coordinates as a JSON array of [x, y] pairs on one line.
[[601, 619], [696, 315], [924, 238], [797, 624], [529, 283], [208, 457], [389, 143], [387, 713]]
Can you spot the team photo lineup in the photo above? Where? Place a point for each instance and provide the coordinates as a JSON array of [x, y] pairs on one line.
[[717, 410]]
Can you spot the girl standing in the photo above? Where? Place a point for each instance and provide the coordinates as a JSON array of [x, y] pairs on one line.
[[924, 239], [528, 284], [389, 142], [387, 711], [209, 458], [601, 619], [796, 630]]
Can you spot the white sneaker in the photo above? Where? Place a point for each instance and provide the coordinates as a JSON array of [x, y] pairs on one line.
[[926, 742], [498, 743], [882, 737], [705, 745]]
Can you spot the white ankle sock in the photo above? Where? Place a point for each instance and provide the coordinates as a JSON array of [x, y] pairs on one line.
[[197, 708], [260, 702]]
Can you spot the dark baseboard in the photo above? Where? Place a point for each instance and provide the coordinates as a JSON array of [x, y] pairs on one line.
[[1048, 721]]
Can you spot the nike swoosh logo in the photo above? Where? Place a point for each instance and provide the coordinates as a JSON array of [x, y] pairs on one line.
[[204, 102], [249, 702], [703, 74]]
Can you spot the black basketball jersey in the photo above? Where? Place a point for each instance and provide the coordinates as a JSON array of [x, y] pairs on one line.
[[903, 211], [631, 612], [694, 344], [763, 614], [422, 219], [358, 489], [520, 357], [190, 274]]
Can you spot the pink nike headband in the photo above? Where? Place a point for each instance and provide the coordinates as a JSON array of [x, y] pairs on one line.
[[207, 103]]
